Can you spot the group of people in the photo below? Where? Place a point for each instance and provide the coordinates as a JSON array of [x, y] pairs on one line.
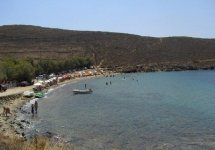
[[109, 83], [34, 107]]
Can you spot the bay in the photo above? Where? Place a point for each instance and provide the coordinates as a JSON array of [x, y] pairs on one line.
[[161, 110]]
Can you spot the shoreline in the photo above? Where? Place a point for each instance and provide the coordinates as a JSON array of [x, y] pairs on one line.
[[12, 127], [166, 67]]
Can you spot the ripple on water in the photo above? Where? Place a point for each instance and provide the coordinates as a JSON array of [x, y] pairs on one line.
[[172, 110]]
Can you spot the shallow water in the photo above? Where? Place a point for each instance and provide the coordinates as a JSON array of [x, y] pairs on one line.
[[162, 110]]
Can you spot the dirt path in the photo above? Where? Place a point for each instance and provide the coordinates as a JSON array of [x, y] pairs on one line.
[[16, 90]]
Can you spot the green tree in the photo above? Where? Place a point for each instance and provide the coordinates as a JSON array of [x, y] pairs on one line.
[[7, 67], [3, 75], [24, 71]]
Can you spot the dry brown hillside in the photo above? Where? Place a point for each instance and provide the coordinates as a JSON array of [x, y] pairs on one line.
[[108, 49]]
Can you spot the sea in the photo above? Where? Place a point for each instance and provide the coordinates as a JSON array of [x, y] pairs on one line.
[[137, 111]]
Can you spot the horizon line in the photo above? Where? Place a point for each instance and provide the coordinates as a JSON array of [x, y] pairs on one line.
[[80, 30]]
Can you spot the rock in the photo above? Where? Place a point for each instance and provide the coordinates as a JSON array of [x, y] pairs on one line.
[[48, 134], [17, 132], [11, 122], [23, 134], [6, 119], [19, 124]]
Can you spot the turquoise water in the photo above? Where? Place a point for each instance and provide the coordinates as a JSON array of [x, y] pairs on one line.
[[162, 110]]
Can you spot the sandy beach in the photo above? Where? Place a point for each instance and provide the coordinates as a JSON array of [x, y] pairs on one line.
[[13, 99]]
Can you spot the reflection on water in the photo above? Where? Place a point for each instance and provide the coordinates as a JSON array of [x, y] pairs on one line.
[[161, 111]]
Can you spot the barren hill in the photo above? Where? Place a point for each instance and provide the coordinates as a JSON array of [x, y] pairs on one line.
[[108, 49]]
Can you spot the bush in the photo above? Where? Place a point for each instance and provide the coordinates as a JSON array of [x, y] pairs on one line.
[[26, 69]]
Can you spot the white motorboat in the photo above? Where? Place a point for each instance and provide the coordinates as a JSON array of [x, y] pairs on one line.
[[85, 91], [28, 94]]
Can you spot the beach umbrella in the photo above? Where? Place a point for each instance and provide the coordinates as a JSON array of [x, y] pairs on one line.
[[47, 81], [38, 84], [40, 81], [52, 75]]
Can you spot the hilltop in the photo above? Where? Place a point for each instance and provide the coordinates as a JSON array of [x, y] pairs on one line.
[[115, 50]]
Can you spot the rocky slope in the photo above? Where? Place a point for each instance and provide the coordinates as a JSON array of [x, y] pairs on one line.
[[115, 50]]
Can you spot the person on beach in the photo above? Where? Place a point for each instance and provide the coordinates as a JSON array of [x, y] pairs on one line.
[[36, 106], [32, 109], [85, 85]]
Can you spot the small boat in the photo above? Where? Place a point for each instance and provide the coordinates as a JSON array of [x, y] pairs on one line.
[[86, 91], [39, 95], [28, 94]]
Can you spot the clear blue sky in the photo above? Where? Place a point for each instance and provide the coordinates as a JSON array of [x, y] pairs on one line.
[[157, 18]]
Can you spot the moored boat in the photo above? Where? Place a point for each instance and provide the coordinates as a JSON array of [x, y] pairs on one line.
[[28, 94], [86, 91], [39, 95]]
